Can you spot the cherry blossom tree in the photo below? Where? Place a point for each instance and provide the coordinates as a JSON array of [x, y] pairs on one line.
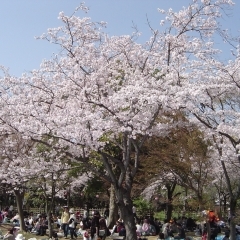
[[16, 171], [214, 102], [25, 165], [101, 91]]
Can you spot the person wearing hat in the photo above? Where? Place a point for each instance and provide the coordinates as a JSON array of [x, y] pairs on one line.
[[72, 223], [9, 235], [64, 221]]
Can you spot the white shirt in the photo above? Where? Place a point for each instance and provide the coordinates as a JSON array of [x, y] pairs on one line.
[[72, 224], [85, 213], [139, 228], [30, 220]]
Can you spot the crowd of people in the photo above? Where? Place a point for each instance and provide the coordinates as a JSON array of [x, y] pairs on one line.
[[35, 224], [66, 223], [89, 228], [70, 222]]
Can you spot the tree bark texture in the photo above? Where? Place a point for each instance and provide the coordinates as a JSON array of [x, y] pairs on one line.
[[19, 199], [113, 209]]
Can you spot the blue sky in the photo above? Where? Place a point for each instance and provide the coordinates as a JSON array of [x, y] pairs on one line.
[[22, 20]]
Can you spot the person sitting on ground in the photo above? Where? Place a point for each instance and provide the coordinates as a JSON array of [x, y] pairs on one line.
[[28, 226], [103, 229], [54, 236], [227, 234], [157, 225], [145, 228], [5, 212], [152, 230], [119, 226], [37, 225], [190, 224], [30, 220], [45, 220], [9, 235], [122, 231], [5, 220], [166, 229], [165, 223], [41, 226], [15, 219], [173, 226], [139, 228], [181, 232], [161, 236]]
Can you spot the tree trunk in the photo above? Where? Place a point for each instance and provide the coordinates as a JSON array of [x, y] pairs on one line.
[[51, 208], [50, 225], [233, 202], [125, 206], [113, 209], [169, 209], [19, 199], [169, 206], [232, 224]]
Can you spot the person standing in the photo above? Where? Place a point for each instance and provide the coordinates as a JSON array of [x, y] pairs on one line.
[[72, 224], [85, 219], [106, 213], [64, 221], [95, 225]]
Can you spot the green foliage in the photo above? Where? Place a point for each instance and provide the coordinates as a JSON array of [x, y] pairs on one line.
[[143, 206], [93, 187], [160, 215], [34, 197]]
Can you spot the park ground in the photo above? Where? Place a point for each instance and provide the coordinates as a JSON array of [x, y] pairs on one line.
[[4, 227]]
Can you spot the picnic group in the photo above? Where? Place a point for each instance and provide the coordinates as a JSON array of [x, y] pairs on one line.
[[70, 224]]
